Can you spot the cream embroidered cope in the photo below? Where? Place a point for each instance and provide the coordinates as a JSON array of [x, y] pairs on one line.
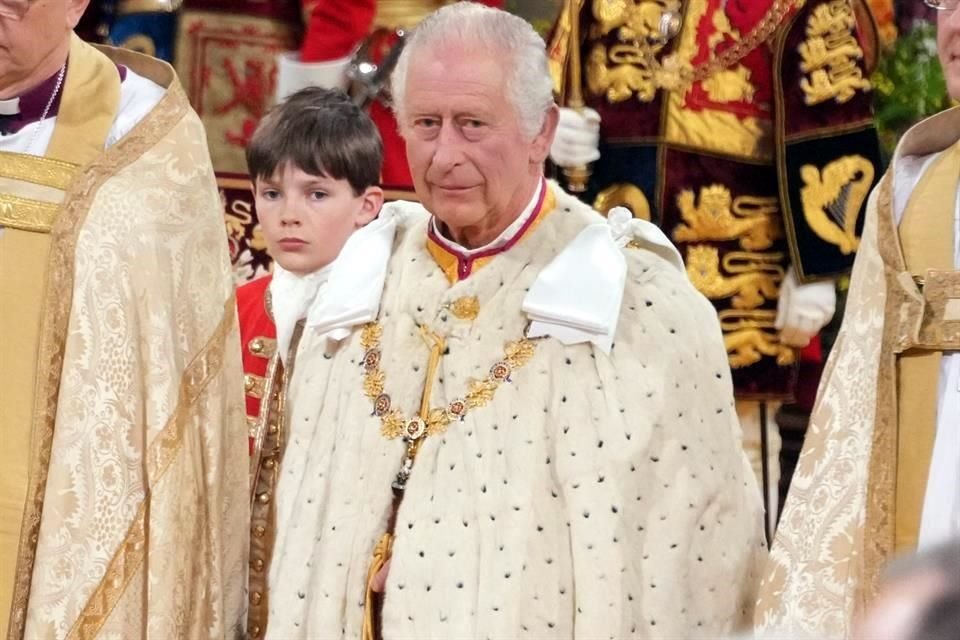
[[143, 455]]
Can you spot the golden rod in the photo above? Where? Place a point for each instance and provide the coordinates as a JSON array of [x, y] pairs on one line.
[[577, 177]]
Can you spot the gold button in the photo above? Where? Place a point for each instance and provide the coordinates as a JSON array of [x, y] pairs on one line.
[[249, 382], [264, 497], [268, 463], [272, 429], [256, 597], [255, 632], [259, 531], [465, 308], [256, 345], [258, 565]]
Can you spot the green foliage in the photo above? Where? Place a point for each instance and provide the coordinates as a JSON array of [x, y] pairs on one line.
[[540, 13], [908, 84]]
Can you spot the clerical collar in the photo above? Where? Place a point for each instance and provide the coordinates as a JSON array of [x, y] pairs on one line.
[[10, 107], [27, 108], [458, 262]]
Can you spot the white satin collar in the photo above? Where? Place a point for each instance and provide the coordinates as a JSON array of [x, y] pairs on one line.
[[577, 297], [341, 295]]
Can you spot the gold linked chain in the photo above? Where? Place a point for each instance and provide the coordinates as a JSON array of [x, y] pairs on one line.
[[430, 421]]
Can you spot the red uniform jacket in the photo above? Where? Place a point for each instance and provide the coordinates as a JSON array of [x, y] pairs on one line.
[[258, 337]]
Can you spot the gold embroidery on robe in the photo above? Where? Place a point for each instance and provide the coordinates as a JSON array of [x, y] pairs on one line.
[[27, 214], [756, 276], [46, 171], [832, 199], [239, 216], [465, 308], [753, 220], [730, 85], [750, 335], [629, 67], [129, 557], [404, 14], [710, 129], [623, 194], [830, 54]]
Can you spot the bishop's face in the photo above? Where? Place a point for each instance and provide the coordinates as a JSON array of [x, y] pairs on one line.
[[948, 46], [34, 41]]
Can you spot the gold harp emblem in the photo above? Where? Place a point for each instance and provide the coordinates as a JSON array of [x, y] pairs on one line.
[[832, 199]]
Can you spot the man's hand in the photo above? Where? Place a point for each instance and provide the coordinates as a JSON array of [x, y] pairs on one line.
[[379, 584], [14, 8], [578, 138], [804, 309]]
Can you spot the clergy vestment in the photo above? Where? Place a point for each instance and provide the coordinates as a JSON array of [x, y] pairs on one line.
[[581, 490], [880, 469], [123, 495]]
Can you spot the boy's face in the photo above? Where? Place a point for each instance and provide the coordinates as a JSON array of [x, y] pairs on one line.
[[306, 219]]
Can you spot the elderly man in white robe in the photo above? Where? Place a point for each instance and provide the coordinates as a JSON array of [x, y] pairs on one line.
[[528, 431]]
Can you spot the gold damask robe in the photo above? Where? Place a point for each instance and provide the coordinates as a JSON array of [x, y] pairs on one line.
[[858, 492], [124, 440]]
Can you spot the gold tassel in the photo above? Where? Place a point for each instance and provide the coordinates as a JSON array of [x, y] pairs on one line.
[[381, 554]]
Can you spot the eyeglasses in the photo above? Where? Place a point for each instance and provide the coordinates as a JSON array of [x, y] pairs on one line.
[[942, 5]]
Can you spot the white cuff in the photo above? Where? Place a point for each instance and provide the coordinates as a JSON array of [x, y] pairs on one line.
[[293, 75]]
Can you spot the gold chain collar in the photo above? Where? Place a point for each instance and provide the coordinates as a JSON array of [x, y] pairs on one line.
[[431, 421]]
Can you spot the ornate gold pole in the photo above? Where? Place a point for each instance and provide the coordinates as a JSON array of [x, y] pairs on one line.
[[577, 177]]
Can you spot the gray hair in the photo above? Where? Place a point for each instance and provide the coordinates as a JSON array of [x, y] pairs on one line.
[[529, 85]]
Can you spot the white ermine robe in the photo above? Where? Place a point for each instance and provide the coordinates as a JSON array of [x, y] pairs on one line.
[[595, 496]]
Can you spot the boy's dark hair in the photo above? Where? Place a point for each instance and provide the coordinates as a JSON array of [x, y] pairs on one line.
[[321, 132]]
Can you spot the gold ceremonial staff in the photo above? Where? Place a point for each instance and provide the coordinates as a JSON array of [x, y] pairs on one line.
[[577, 177]]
